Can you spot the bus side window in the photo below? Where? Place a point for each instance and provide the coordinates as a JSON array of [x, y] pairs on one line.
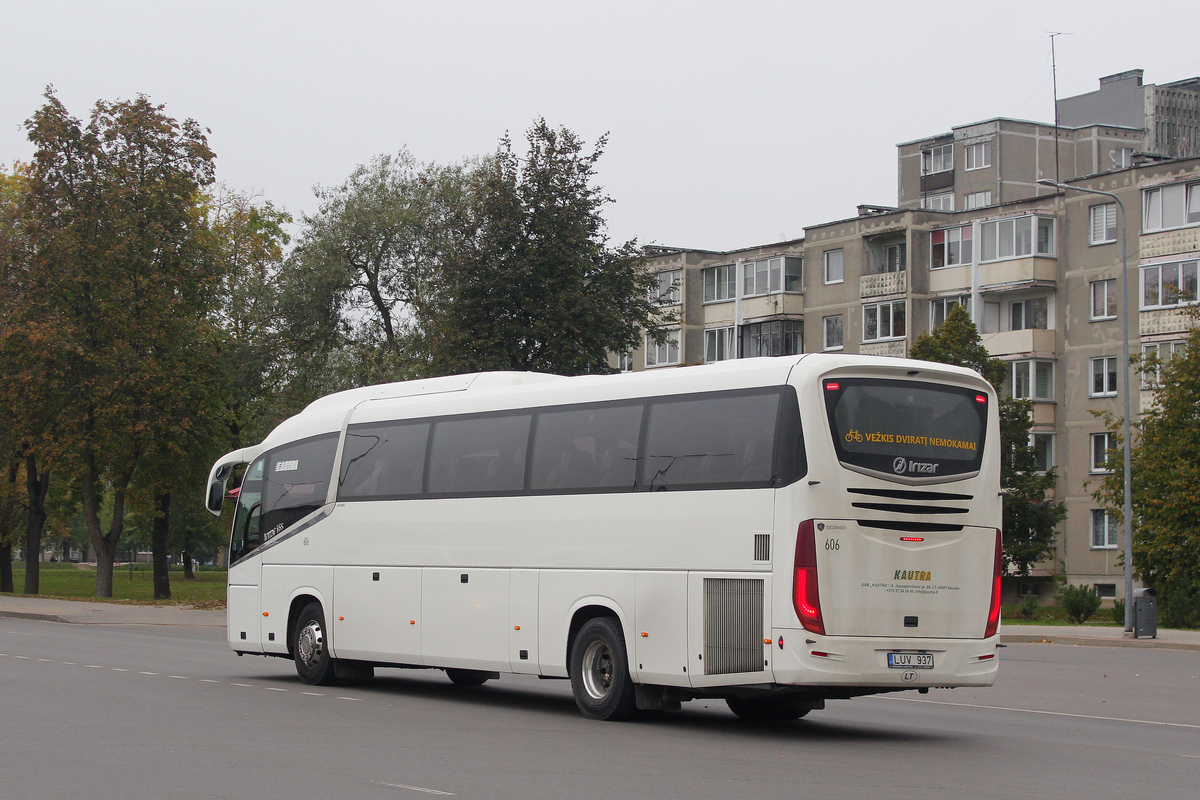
[[588, 447], [296, 482], [383, 460], [479, 454]]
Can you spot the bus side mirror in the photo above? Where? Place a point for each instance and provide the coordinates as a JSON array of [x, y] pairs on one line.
[[216, 496]]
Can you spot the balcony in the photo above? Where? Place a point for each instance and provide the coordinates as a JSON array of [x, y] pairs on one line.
[[1165, 320], [996, 276], [771, 305], [897, 348], [1027, 341], [1169, 243], [882, 284]]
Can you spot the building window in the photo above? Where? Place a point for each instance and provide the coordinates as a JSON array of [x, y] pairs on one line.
[[666, 290], [720, 283], [895, 257], [769, 275], [835, 267], [625, 362], [979, 155], [1122, 157], [1154, 355], [940, 307], [1101, 444], [775, 338], [1169, 285], [950, 247], [1104, 299], [833, 333], [665, 354], [1042, 445], [940, 202], [1104, 530], [883, 321], [937, 159], [1033, 380], [718, 344], [1171, 207], [1104, 377], [1103, 228], [1017, 237], [977, 200], [1031, 314]]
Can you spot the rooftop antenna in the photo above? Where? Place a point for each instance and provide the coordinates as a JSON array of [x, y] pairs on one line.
[[1054, 83]]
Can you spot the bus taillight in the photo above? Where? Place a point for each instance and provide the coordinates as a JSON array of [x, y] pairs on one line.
[[993, 621], [805, 596]]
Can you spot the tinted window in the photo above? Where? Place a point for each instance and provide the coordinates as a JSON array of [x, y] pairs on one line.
[[479, 455], [906, 428], [385, 459], [588, 447], [247, 520], [713, 440], [294, 482]]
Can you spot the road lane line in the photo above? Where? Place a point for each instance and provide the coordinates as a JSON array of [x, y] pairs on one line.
[[1038, 711], [93, 666], [275, 689], [313, 694], [208, 680], [45, 660], [181, 677], [355, 699], [119, 669], [414, 788], [26, 658], [147, 673], [245, 685]]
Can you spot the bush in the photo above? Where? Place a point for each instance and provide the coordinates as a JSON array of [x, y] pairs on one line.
[[1080, 602], [1028, 608], [1179, 608], [1118, 612]]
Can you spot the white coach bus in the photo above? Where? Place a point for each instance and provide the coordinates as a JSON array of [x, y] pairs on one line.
[[775, 532]]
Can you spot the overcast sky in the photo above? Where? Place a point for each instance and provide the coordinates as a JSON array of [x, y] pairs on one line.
[[730, 124]]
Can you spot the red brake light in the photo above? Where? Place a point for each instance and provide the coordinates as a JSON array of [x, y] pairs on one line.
[[805, 596], [912, 538], [993, 620], [832, 386], [979, 398]]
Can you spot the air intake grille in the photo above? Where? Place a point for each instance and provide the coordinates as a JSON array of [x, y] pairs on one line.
[[733, 625], [762, 547]]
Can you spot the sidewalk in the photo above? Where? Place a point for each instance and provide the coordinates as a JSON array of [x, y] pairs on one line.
[[91, 613]]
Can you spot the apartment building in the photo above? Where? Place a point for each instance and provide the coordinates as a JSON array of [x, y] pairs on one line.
[[1038, 269]]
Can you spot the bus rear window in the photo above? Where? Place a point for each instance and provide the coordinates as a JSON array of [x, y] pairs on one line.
[[906, 429]]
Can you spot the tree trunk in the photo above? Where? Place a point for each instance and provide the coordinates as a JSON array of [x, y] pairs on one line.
[[104, 569], [37, 488], [6, 578], [158, 545]]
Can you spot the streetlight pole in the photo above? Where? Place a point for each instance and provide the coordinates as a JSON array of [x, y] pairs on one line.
[[1127, 499]]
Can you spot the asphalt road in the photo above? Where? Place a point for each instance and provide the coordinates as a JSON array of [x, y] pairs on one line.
[[153, 712]]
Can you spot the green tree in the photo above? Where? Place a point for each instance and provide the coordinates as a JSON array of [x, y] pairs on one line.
[[1030, 518], [535, 284], [113, 319], [1165, 471]]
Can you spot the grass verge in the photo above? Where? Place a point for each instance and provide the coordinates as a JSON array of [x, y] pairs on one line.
[[136, 585]]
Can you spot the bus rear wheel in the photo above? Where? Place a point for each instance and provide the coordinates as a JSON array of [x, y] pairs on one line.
[[765, 709], [310, 647], [599, 671]]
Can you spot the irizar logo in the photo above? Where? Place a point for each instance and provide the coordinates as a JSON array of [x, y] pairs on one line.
[[902, 465]]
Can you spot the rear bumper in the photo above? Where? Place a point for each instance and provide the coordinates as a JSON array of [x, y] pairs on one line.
[[808, 659]]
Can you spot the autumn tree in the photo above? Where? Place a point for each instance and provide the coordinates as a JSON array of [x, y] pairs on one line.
[[1165, 470], [535, 283], [115, 297], [1030, 518]]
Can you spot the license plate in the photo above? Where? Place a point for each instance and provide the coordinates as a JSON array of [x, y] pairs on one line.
[[910, 660]]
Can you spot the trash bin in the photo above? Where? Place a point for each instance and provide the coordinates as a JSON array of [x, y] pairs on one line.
[[1145, 614]]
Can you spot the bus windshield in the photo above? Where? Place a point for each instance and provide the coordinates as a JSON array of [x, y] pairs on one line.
[[906, 429]]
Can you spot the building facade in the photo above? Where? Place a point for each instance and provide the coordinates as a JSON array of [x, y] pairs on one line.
[[1038, 269]]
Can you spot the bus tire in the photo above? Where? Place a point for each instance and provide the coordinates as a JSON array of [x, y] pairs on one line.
[[599, 671], [310, 647], [467, 677], [764, 709]]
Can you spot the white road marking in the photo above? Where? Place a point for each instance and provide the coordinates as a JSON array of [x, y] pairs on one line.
[[93, 666], [246, 685], [45, 660], [414, 788], [181, 677], [313, 694], [25, 658], [1038, 711], [147, 673], [119, 669], [355, 699], [275, 689], [208, 680]]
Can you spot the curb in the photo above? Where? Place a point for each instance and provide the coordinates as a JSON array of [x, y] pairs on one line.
[[1087, 641], [32, 615]]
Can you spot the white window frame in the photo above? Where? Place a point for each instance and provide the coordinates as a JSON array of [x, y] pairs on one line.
[[938, 159], [625, 362], [838, 322], [1182, 270], [789, 330], [1102, 224], [895, 257], [1024, 380], [957, 246], [1104, 299], [878, 309], [943, 201], [1122, 157], [668, 287], [1102, 370], [1028, 308], [1048, 438], [1152, 354], [945, 305], [1184, 196], [1098, 446], [720, 344], [771, 275], [720, 283], [977, 200], [978, 155], [663, 355], [1012, 241], [1105, 525], [838, 255]]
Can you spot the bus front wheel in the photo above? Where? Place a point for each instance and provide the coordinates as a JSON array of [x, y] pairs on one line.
[[599, 671], [311, 647]]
